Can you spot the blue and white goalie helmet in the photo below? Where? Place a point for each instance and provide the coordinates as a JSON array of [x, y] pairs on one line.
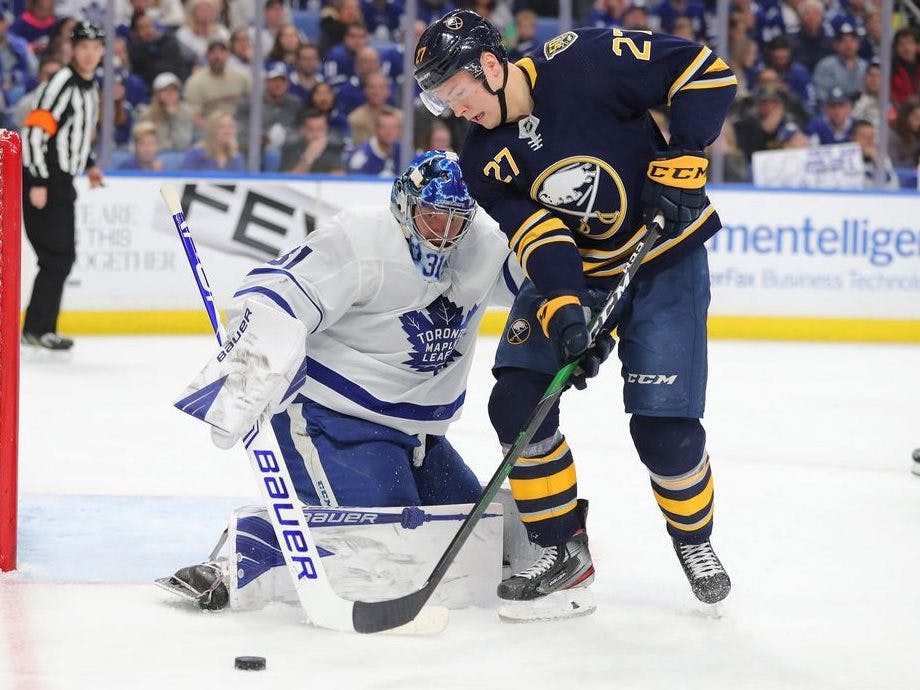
[[434, 208]]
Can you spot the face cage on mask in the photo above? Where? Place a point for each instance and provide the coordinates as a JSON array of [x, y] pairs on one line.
[[440, 243]]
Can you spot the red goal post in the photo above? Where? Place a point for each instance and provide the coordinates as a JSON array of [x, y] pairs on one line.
[[10, 259]]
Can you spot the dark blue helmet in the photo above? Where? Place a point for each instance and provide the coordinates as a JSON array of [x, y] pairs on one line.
[[455, 42], [433, 207]]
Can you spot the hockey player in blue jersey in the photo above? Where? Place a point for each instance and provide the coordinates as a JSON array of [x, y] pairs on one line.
[[565, 156], [360, 345]]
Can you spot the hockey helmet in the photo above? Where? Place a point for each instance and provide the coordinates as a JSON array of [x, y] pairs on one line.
[[433, 206], [85, 31], [455, 42]]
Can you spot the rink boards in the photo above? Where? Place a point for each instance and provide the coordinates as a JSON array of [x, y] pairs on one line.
[[789, 264]]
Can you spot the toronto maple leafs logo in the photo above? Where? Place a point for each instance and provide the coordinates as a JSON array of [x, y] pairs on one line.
[[434, 333]]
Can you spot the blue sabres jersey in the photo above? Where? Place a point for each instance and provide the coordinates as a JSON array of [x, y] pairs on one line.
[[565, 182]]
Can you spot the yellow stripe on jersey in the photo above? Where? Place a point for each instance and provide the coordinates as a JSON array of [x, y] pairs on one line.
[[544, 227], [541, 487], [526, 225], [605, 256], [689, 72], [530, 69], [711, 83], [535, 245], [717, 66], [658, 250]]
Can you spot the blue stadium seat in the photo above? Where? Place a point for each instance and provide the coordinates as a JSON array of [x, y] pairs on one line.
[[117, 157], [547, 28], [307, 22]]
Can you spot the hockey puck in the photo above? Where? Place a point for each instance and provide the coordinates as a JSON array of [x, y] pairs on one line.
[[249, 663]]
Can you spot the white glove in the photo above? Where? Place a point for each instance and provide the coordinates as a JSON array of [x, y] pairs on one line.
[[250, 375]]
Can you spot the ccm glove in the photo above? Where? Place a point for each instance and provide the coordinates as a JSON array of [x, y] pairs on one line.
[[676, 186], [565, 321]]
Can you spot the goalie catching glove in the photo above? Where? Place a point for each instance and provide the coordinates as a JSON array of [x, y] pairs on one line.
[[564, 320], [250, 375], [676, 186]]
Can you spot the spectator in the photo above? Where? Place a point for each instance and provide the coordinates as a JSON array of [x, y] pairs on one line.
[[778, 56], [315, 150], [47, 67], [669, 10], [276, 15], [279, 111], [136, 89], [59, 42], [431, 10], [904, 137], [284, 50], [864, 134], [201, 28], [217, 87], [379, 155], [790, 13], [382, 18], [844, 69], [17, 65], [525, 32], [218, 149], [760, 131], [439, 138], [35, 24], [307, 72], [836, 124], [768, 77], [350, 95], [744, 62], [322, 98], [607, 14], [123, 114], [165, 13], [173, 120], [683, 28], [870, 45], [812, 42], [339, 64], [146, 156], [334, 20], [636, 18], [790, 136], [905, 69], [361, 120], [867, 105], [153, 52], [240, 49], [498, 13]]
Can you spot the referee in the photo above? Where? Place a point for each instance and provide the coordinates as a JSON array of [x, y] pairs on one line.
[[57, 140]]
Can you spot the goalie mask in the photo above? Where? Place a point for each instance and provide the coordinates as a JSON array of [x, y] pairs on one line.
[[433, 207]]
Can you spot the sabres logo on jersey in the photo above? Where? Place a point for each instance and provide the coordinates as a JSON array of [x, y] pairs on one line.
[[518, 332], [588, 189], [556, 45]]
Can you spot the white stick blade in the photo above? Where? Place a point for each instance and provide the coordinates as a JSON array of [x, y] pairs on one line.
[[430, 621], [171, 196]]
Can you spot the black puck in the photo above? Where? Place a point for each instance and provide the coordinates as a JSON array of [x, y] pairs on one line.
[[916, 455], [249, 663]]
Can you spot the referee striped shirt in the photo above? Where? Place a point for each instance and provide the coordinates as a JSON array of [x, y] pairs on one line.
[[57, 135]]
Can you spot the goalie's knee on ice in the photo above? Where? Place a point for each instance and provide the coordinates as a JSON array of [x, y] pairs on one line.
[[668, 446], [514, 397]]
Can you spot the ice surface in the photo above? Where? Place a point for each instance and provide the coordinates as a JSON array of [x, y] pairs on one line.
[[818, 522]]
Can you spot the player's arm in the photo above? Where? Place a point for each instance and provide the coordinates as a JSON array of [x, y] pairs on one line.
[[42, 123], [279, 305]]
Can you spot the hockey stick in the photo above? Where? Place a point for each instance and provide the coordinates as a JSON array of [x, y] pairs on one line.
[[380, 615], [323, 606]]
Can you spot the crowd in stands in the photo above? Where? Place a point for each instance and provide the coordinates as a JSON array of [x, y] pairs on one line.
[[808, 74]]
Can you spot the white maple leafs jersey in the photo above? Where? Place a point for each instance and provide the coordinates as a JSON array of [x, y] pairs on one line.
[[385, 344]]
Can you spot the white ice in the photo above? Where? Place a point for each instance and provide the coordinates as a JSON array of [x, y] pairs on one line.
[[818, 522]]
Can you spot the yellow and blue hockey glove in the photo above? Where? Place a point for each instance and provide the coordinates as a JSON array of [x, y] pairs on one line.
[[676, 186]]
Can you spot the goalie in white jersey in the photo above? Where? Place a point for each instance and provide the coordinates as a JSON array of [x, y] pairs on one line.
[[360, 341]]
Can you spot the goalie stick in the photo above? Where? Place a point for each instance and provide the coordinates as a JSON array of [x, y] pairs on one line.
[[381, 615], [322, 605]]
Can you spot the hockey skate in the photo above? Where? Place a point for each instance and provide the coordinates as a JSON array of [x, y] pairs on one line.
[[202, 584], [704, 571], [47, 341], [555, 586]]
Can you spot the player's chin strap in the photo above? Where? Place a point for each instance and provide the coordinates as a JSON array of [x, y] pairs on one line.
[[500, 91]]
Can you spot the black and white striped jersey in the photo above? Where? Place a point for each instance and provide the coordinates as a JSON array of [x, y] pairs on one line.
[[57, 136]]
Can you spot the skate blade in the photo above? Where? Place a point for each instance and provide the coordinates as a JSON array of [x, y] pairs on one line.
[[566, 603], [430, 621], [169, 584], [34, 353]]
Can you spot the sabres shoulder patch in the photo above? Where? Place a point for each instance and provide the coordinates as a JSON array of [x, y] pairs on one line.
[[556, 45]]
